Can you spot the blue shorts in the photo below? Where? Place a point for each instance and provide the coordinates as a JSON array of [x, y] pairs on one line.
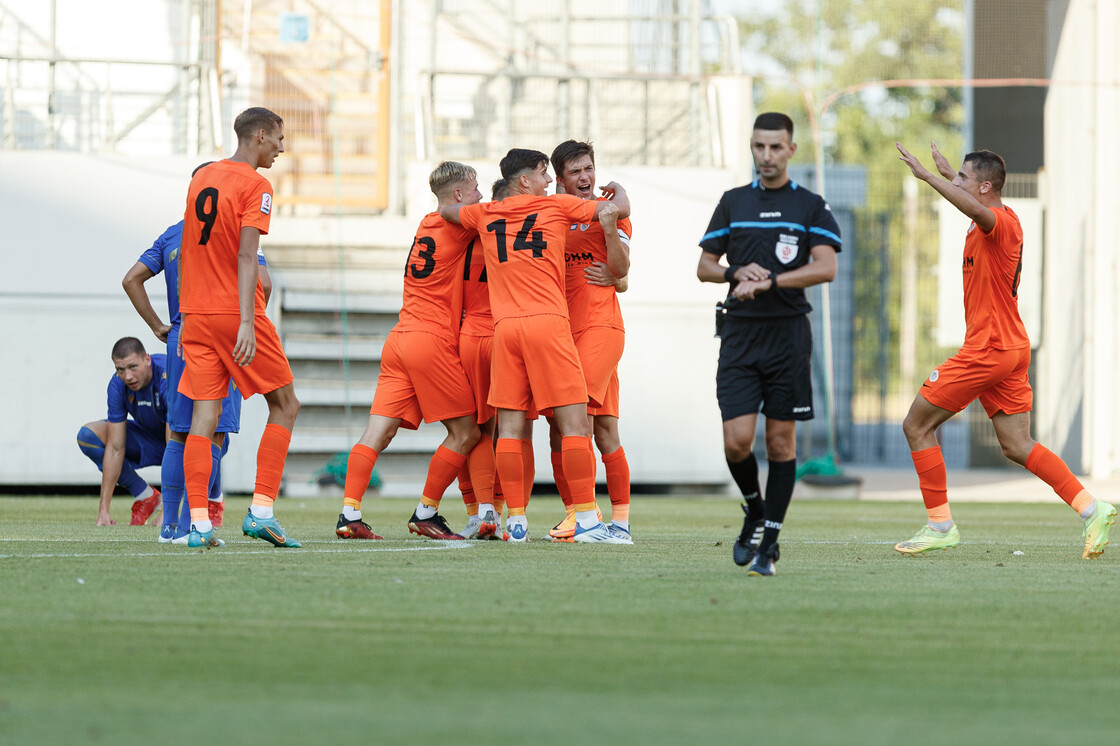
[[141, 448], [180, 408]]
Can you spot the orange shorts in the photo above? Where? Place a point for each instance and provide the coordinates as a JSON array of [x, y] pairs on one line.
[[535, 364], [421, 378], [476, 353], [208, 342], [600, 349], [609, 407], [997, 377]]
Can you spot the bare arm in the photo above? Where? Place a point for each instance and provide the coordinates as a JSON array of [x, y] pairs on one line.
[[111, 465], [600, 274], [822, 269], [616, 195], [266, 282], [943, 166], [450, 213], [709, 269], [133, 284], [957, 197], [618, 253], [245, 349]]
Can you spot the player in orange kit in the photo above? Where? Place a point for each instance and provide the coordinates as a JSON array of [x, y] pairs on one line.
[[597, 328], [422, 376], [534, 356], [225, 332], [992, 364]]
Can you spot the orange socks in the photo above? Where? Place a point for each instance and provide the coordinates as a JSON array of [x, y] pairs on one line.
[[557, 458], [1049, 467], [933, 481], [271, 455], [197, 463], [529, 469], [511, 471], [579, 469], [359, 468], [442, 470], [618, 484], [480, 472]]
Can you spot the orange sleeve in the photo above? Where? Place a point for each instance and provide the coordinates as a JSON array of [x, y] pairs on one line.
[[256, 207]]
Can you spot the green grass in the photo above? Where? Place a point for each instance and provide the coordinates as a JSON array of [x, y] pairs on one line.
[[414, 641]]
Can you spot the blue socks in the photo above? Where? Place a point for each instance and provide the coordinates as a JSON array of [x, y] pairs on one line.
[[172, 482]]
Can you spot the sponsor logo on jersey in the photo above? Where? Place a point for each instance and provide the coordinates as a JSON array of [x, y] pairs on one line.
[[769, 214], [581, 256], [266, 203]]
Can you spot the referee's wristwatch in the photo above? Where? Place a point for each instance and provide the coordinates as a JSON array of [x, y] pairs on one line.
[[773, 280]]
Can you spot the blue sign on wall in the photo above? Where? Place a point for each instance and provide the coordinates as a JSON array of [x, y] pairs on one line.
[[294, 27]]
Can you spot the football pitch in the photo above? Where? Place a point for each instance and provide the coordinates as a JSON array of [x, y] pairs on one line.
[[108, 637]]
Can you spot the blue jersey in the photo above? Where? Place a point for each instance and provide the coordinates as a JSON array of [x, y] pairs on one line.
[[148, 406], [163, 257]]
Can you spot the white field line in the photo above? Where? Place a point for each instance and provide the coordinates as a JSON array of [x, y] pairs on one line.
[[233, 550]]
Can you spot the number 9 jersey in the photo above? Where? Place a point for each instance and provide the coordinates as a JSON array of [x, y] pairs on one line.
[[223, 198]]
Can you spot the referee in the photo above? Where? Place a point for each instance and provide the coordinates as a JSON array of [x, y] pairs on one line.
[[779, 238]]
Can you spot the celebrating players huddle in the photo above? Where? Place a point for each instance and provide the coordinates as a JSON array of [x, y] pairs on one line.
[[510, 312], [484, 345]]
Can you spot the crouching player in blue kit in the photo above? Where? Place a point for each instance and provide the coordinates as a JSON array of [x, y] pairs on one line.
[[119, 445], [163, 257]]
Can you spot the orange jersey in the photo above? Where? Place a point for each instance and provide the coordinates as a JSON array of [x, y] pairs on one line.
[[433, 285], [591, 305], [477, 319], [523, 237], [223, 198], [992, 265]]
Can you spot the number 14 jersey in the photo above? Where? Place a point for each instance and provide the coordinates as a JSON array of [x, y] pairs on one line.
[[523, 237]]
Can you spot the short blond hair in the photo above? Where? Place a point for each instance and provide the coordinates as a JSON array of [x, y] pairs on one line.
[[448, 173]]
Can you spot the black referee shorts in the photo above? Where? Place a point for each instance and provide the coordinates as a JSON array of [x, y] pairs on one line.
[[766, 362]]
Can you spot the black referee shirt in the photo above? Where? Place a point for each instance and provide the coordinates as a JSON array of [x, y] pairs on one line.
[[775, 228]]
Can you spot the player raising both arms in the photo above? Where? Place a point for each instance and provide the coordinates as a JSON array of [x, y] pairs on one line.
[[422, 376], [225, 332], [596, 321], [992, 364], [535, 359]]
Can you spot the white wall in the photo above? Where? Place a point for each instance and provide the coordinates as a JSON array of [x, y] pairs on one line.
[[73, 225], [1081, 295]]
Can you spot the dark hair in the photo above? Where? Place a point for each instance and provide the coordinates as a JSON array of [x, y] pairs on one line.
[[773, 120], [499, 190], [989, 167], [518, 160], [126, 346], [568, 151], [253, 119]]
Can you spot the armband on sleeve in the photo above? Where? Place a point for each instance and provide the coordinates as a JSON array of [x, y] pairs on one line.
[[729, 273]]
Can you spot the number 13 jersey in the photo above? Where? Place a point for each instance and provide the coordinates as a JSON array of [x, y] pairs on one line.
[[523, 237], [223, 198], [433, 278]]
